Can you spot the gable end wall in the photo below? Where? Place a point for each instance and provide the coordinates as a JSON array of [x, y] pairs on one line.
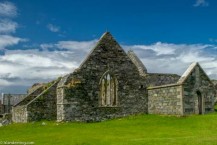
[[197, 80], [81, 97]]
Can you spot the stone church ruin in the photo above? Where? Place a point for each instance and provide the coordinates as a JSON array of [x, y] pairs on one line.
[[111, 83]]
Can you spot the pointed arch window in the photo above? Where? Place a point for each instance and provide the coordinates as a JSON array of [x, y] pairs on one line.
[[108, 90]]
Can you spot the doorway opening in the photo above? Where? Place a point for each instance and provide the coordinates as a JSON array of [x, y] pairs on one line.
[[200, 102]]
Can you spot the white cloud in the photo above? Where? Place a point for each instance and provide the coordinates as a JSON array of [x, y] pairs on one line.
[[7, 40], [190, 56], [53, 28], [25, 67], [76, 45], [82, 46], [8, 9], [7, 26], [46, 46], [159, 48], [202, 3]]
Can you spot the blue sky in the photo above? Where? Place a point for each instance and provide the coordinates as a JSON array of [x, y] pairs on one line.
[[131, 21], [41, 40]]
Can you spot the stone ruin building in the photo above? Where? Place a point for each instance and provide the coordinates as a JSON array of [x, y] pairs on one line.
[[111, 83]]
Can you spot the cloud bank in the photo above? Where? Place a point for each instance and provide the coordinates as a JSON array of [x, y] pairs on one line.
[[25, 67], [8, 26], [175, 58]]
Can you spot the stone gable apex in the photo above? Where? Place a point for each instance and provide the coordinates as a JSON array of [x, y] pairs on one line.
[[188, 72], [106, 41]]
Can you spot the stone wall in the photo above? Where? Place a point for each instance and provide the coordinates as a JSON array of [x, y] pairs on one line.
[[198, 82], [39, 105], [79, 97], [165, 100], [19, 110], [1, 107], [20, 114], [44, 106]]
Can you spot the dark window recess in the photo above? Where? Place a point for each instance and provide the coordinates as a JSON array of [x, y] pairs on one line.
[[208, 103], [208, 109], [189, 110]]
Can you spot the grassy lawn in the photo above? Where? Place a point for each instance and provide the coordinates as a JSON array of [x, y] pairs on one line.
[[133, 130]]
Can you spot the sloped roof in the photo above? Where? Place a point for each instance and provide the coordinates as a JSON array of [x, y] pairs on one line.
[[35, 94], [188, 72], [140, 66]]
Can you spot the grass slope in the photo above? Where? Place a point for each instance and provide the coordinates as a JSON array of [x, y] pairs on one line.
[[133, 130]]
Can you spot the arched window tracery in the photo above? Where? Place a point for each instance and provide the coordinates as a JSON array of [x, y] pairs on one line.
[[108, 90]]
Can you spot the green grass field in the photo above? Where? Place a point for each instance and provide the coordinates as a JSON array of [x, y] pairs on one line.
[[132, 130]]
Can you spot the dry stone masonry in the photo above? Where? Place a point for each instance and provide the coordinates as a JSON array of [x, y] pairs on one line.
[[38, 105], [111, 83], [165, 100], [194, 93]]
